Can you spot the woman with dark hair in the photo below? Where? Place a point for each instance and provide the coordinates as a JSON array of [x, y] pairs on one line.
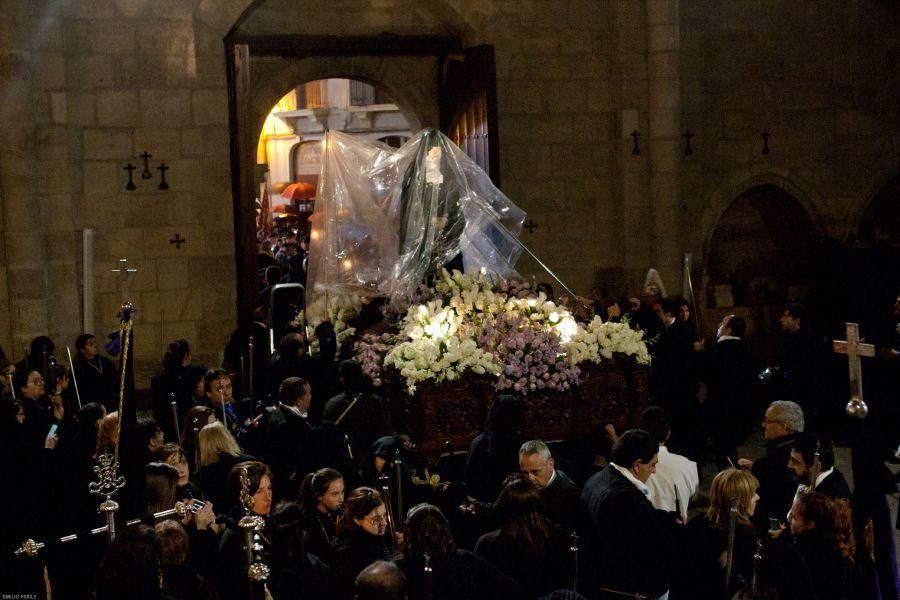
[[174, 455], [322, 500], [180, 579], [295, 574], [527, 547], [361, 538], [232, 578], [196, 419], [494, 453], [97, 376], [39, 355], [823, 534], [172, 384], [150, 438], [455, 574], [201, 527], [40, 413], [161, 483], [130, 570]]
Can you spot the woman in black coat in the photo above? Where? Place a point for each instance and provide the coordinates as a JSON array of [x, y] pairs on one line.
[[527, 547], [362, 538], [455, 574], [295, 574]]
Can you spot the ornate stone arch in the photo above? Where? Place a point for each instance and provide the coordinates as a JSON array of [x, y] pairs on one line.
[[722, 197]]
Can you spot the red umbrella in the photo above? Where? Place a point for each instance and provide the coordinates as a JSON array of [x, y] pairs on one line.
[[285, 208], [299, 191]]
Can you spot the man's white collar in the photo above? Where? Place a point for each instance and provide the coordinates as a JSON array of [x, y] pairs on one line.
[[630, 477], [723, 338], [295, 410]]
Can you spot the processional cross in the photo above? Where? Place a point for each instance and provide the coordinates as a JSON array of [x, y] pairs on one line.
[[854, 351], [126, 274]]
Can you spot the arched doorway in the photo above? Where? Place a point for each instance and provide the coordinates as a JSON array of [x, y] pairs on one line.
[[432, 72], [759, 257], [289, 150]]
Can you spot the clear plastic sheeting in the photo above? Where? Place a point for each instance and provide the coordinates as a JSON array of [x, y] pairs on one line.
[[386, 219]]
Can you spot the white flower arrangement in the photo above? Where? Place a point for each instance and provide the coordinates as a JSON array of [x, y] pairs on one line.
[[337, 309], [600, 340]]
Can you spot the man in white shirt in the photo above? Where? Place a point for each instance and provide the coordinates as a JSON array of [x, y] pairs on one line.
[[676, 479]]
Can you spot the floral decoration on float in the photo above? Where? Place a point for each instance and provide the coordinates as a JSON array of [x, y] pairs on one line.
[[466, 324]]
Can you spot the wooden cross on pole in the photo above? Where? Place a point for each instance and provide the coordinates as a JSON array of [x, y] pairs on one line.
[[126, 274], [854, 351]]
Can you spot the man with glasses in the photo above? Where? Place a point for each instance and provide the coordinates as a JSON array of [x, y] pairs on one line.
[[782, 425]]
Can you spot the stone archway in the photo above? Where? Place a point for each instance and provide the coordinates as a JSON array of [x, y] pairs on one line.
[[759, 257]]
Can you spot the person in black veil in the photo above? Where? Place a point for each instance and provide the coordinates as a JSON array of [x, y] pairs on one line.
[[494, 453]]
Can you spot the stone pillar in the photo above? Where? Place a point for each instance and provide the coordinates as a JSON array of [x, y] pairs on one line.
[[24, 287], [664, 138]]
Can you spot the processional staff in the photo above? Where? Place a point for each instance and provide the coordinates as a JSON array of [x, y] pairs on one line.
[[729, 565], [251, 525], [856, 407], [74, 379]]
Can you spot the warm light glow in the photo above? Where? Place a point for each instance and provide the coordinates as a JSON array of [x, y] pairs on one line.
[[347, 264], [314, 234]]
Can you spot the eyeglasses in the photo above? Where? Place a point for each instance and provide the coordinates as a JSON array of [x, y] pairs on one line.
[[37, 381], [771, 422]]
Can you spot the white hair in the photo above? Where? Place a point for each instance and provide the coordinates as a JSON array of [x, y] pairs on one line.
[[535, 447], [791, 414]]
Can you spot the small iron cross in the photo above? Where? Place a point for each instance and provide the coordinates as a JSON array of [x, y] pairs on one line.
[[130, 168], [530, 226], [146, 174], [765, 136], [687, 143], [854, 351], [636, 150], [162, 168], [178, 241]]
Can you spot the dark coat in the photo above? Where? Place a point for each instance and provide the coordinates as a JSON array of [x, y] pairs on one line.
[[777, 484], [311, 579], [801, 358], [833, 576], [318, 531], [628, 543], [561, 501], [351, 552], [98, 381], [291, 449], [460, 575], [184, 583], [212, 479], [539, 574], [835, 486], [730, 373], [367, 421]]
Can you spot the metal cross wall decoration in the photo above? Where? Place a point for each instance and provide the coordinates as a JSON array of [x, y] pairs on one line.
[[765, 136], [636, 150], [146, 174], [688, 151], [854, 351], [130, 168], [530, 226], [178, 241], [162, 168]]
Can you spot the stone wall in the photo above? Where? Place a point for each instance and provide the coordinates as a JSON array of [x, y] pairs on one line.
[[87, 85]]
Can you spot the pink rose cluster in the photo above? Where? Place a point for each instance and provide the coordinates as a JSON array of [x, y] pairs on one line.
[[370, 352], [530, 357]]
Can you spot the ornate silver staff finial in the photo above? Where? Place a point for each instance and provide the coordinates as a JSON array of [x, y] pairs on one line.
[[251, 525], [108, 483]]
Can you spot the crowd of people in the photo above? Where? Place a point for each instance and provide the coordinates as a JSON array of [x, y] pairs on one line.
[[330, 474]]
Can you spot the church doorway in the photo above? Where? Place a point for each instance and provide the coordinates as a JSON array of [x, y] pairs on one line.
[[759, 258], [432, 80]]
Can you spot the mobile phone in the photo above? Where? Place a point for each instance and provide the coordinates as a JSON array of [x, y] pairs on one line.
[[774, 524], [53, 429]]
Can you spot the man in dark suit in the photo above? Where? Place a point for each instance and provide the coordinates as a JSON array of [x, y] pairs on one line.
[[828, 479], [558, 491], [292, 441], [628, 549], [782, 424], [673, 381], [729, 373]]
